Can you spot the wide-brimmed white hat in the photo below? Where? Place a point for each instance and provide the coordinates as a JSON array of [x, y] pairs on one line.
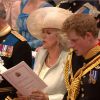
[[4, 27], [48, 17]]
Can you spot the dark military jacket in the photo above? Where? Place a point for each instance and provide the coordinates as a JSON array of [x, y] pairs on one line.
[[74, 5], [19, 51], [90, 82]]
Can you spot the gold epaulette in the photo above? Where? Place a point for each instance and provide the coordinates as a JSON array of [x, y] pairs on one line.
[[92, 52], [8, 98], [19, 36]]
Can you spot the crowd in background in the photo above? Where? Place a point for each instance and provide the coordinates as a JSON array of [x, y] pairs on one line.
[[14, 8]]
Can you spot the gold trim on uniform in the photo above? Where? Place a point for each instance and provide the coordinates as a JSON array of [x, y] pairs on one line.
[[8, 98], [19, 36], [5, 30], [6, 89], [92, 64], [92, 52]]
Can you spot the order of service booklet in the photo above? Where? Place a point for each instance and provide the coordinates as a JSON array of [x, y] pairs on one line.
[[23, 78]]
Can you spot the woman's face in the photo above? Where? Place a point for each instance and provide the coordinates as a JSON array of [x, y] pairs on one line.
[[50, 38]]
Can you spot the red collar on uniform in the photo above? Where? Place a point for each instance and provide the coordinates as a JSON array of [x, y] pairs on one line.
[[99, 42]]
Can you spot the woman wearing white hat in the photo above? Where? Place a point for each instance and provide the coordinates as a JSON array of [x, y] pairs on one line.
[[50, 58], [26, 8]]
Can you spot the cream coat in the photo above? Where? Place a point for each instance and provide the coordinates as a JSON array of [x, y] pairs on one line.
[[54, 78]]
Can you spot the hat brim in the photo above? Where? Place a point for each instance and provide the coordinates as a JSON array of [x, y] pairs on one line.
[[36, 18]]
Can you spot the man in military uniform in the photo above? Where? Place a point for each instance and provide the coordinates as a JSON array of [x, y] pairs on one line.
[[74, 5], [13, 49], [82, 70], [83, 6]]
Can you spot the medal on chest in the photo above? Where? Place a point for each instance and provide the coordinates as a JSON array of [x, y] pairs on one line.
[[6, 50]]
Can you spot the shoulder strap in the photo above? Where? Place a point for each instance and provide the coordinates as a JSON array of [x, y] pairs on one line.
[[16, 34], [10, 40]]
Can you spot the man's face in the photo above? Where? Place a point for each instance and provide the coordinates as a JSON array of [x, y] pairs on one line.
[[78, 43]]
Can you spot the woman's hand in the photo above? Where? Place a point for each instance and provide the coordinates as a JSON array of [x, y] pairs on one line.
[[21, 97], [36, 95], [39, 95]]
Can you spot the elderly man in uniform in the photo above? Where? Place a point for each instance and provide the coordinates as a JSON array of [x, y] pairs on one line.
[[13, 49], [82, 70]]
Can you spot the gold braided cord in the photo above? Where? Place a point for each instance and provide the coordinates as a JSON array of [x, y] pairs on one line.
[[67, 68], [73, 84], [74, 88]]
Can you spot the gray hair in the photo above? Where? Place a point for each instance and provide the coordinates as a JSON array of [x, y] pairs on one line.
[[63, 41]]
